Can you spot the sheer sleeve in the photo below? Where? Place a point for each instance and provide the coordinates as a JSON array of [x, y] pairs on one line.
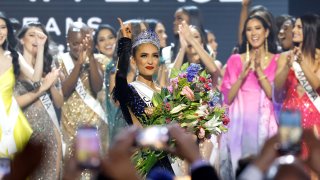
[[122, 91]]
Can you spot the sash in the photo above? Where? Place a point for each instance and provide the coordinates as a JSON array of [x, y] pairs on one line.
[[86, 97], [167, 54], [312, 94], [47, 103], [144, 91], [7, 123]]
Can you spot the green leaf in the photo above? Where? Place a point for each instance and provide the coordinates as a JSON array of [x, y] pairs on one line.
[[184, 66], [157, 99], [174, 73]]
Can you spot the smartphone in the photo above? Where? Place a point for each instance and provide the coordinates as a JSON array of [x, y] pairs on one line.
[[290, 132], [4, 167], [156, 137], [88, 147]]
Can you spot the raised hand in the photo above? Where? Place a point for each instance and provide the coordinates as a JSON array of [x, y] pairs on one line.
[[125, 29], [247, 66], [82, 54], [185, 31], [41, 38], [183, 42], [257, 60], [88, 41], [48, 81], [56, 73], [246, 2]]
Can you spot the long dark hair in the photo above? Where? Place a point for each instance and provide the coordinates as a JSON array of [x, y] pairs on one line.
[[272, 46], [10, 45], [311, 34], [152, 24], [47, 56]]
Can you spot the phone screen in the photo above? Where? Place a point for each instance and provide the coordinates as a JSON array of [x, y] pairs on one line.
[[156, 137], [290, 132], [88, 147], [4, 167]]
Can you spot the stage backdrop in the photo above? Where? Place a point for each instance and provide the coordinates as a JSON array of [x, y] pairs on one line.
[[220, 16]]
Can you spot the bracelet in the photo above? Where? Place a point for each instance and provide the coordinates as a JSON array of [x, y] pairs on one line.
[[37, 84], [262, 77]]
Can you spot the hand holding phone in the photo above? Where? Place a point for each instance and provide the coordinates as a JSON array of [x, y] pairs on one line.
[[88, 147], [290, 132], [4, 167], [156, 137]]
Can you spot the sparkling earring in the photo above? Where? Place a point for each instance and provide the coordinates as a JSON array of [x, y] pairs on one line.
[[247, 52], [267, 49]]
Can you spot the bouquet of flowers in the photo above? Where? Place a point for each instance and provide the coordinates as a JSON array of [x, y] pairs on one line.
[[190, 101]]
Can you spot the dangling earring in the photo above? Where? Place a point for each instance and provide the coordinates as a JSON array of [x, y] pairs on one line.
[[267, 50], [247, 52]]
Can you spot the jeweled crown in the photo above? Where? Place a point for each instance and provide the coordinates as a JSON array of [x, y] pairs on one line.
[[147, 36]]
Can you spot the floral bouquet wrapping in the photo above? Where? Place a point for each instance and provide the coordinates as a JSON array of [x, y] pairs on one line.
[[191, 101]]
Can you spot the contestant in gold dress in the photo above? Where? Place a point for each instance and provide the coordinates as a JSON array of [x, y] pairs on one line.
[[83, 80]]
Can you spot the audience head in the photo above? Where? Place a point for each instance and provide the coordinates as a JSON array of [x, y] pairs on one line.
[[27, 36], [255, 32], [105, 40]]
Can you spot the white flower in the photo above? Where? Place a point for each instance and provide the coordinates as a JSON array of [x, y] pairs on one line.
[[213, 124], [202, 110], [191, 124], [178, 108]]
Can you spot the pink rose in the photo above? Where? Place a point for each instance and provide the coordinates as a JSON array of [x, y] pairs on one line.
[[170, 88], [186, 91]]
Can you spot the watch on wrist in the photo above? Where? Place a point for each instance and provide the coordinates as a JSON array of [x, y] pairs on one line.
[[37, 84]]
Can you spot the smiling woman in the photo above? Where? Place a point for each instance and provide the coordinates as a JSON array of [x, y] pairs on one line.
[[135, 98], [246, 87]]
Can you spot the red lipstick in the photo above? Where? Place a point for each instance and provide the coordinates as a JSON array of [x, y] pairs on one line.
[[149, 67]]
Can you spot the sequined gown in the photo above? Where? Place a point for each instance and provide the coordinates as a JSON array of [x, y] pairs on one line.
[[116, 120], [76, 113], [310, 114], [294, 101], [44, 131], [21, 129], [128, 96]]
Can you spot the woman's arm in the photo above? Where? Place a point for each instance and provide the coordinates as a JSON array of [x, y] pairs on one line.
[[232, 93], [182, 51], [243, 17], [283, 67], [312, 77], [56, 91], [69, 83], [28, 98]]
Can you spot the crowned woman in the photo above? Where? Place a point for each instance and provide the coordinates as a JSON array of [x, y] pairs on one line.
[[135, 98]]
